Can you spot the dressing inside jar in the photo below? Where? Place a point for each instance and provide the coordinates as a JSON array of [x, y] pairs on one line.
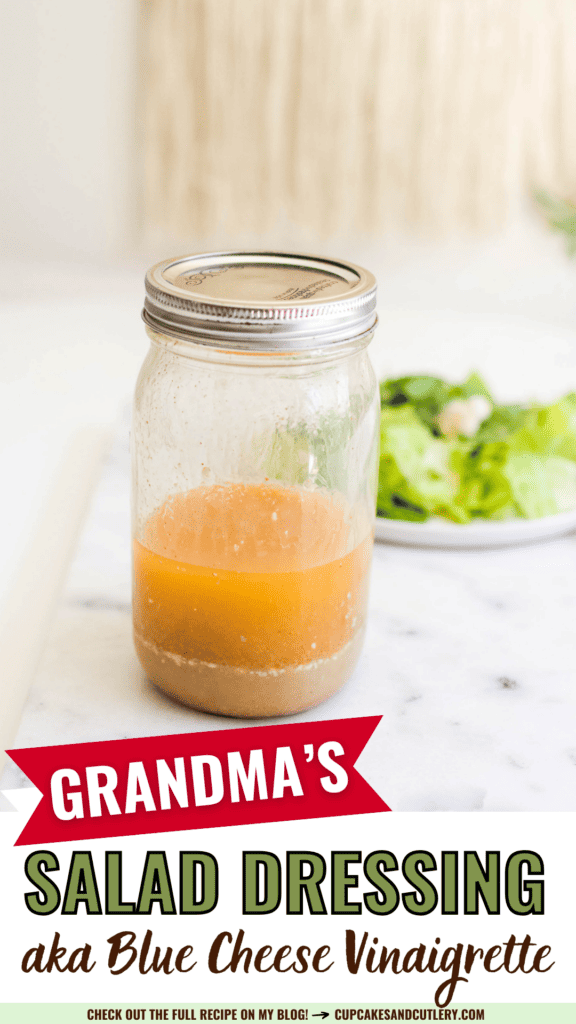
[[250, 600]]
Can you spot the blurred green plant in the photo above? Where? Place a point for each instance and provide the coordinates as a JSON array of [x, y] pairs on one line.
[[561, 216]]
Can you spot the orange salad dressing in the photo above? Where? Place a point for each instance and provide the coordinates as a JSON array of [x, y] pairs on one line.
[[239, 587]]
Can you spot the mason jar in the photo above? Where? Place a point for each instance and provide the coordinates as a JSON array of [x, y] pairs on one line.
[[254, 454]]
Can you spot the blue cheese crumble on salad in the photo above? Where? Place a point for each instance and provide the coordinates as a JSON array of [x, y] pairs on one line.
[[450, 450]]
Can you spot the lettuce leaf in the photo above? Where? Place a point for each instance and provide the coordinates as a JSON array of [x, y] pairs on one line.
[[549, 430], [416, 478], [541, 486], [485, 490]]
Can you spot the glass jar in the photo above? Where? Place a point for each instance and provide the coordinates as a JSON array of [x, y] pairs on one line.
[[254, 452]]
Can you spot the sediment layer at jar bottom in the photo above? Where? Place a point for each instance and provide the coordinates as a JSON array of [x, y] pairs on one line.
[[248, 693]]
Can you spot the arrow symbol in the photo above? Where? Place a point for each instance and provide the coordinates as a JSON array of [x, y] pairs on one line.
[[324, 1014]]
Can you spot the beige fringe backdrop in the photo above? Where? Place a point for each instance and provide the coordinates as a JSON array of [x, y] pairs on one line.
[[339, 116]]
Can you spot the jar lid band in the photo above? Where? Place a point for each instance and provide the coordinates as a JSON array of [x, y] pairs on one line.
[[260, 300]]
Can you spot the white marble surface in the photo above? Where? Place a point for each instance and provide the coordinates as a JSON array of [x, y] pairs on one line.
[[469, 658]]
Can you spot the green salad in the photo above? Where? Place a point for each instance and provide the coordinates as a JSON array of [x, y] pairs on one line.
[[450, 450]]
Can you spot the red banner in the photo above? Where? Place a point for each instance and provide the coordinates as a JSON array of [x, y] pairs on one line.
[[198, 780]]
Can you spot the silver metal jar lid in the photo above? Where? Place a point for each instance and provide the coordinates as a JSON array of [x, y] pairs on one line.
[[265, 301]]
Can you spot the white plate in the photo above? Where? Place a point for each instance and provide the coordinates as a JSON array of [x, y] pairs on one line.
[[440, 533]]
